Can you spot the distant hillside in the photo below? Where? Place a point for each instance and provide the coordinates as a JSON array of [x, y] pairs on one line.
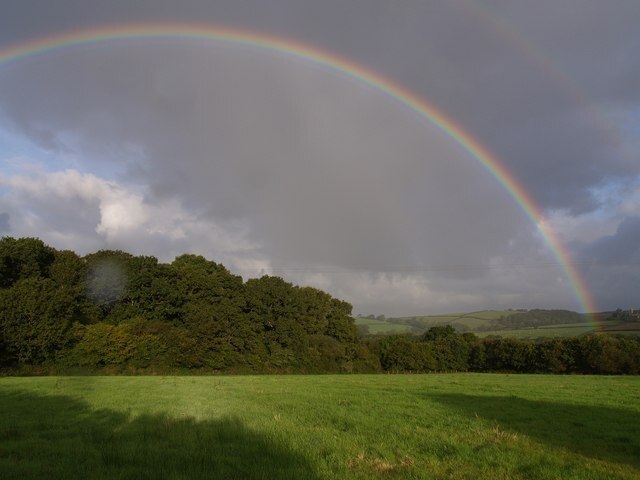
[[513, 323]]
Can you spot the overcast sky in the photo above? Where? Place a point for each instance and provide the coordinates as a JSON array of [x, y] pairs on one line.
[[269, 163]]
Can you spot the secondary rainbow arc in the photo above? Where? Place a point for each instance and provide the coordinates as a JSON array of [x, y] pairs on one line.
[[345, 66]]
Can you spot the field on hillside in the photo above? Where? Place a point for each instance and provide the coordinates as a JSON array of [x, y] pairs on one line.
[[478, 322], [419, 325], [567, 330], [321, 427], [471, 320], [383, 327]]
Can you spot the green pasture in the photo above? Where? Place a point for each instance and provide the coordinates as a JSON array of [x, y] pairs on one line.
[[401, 325], [471, 320], [390, 329], [321, 427], [382, 327], [553, 331]]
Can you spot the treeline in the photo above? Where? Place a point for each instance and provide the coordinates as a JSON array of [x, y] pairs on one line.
[[441, 349], [113, 312]]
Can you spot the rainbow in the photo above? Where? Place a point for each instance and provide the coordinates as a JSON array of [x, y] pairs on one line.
[[336, 63]]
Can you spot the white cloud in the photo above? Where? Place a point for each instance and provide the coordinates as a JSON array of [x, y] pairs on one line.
[[82, 211], [585, 228]]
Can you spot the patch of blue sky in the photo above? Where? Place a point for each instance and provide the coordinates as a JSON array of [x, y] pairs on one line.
[[611, 193], [19, 155]]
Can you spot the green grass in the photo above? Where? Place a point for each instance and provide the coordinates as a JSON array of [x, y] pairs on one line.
[[394, 326], [382, 327], [321, 427], [471, 320], [389, 329], [549, 331]]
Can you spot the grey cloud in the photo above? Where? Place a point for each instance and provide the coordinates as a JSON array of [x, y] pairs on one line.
[[475, 62], [327, 173], [619, 249], [5, 227], [611, 266]]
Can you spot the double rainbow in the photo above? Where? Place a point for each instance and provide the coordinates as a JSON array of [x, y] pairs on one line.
[[345, 67]]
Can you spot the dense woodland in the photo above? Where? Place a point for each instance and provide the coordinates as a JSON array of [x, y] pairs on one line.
[[113, 312]]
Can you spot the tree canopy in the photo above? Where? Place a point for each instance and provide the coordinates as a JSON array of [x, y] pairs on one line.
[[113, 308], [116, 312]]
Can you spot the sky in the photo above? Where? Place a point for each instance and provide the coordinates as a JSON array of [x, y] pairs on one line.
[[271, 163]]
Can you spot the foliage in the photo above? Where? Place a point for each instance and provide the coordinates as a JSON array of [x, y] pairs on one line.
[[134, 312], [35, 320], [23, 258], [117, 312]]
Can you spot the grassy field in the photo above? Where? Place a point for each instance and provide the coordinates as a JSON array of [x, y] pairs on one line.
[[566, 330], [321, 427], [390, 326], [382, 327], [471, 320]]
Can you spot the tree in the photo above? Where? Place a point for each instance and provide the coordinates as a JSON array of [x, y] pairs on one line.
[[23, 258], [273, 304], [451, 350], [403, 353], [216, 312], [439, 332], [510, 354], [340, 322], [151, 292], [68, 269], [35, 320]]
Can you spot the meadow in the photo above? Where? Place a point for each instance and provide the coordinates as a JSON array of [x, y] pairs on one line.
[[470, 320], [419, 325], [384, 327], [454, 426]]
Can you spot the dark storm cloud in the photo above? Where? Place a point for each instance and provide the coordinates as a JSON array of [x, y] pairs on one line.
[[621, 248], [611, 264], [328, 174], [325, 171], [472, 59]]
